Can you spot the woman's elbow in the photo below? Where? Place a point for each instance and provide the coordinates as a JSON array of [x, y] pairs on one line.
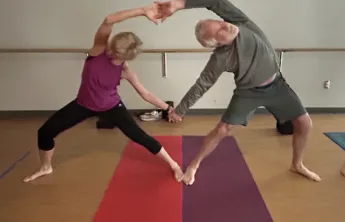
[[146, 96], [111, 19], [107, 20]]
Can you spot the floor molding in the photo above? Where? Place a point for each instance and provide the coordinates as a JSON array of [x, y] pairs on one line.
[[46, 113]]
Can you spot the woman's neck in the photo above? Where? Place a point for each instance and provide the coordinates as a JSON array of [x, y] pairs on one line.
[[117, 61]]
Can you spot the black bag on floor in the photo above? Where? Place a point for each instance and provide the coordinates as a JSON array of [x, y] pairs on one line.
[[285, 128], [104, 124], [165, 114]]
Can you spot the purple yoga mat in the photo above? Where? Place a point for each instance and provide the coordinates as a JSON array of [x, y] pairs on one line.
[[224, 189]]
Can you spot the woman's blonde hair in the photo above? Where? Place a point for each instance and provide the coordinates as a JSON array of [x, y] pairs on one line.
[[126, 45]]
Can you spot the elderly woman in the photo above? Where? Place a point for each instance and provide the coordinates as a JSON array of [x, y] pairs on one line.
[[104, 68]]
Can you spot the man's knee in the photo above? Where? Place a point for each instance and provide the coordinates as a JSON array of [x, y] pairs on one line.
[[302, 124], [223, 129]]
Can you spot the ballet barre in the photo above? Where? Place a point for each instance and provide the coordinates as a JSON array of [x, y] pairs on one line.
[[164, 52]]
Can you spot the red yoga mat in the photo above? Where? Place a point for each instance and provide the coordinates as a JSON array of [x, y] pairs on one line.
[[143, 187]]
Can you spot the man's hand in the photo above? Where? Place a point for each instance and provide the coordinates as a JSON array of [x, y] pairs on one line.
[[173, 117], [168, 8], [152, 12]]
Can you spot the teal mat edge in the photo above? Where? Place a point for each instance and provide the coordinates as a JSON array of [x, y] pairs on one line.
[[334, 136]]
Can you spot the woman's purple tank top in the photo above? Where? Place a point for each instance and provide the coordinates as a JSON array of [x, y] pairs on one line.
[[99, 82]]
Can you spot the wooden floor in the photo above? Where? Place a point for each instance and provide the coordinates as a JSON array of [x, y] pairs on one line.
[[86, 158]]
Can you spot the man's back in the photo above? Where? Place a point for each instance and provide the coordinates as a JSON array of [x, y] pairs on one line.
[[257, 59], [256, 29]]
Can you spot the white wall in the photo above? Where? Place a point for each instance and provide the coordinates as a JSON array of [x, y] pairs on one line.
[[48, 81]]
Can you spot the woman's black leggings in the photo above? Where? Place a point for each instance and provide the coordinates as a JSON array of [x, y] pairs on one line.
[[73, 113]]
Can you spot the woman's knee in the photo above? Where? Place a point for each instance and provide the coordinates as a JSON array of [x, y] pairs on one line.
[[302, 124], [45, 138], [150, 143], [137, 135]]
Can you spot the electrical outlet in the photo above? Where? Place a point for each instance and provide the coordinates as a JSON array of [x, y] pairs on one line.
[[327, 84]]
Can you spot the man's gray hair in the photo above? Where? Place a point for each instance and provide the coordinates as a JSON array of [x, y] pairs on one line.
[[200, 30]]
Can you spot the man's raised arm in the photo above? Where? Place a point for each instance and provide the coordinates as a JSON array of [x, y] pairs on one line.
[[223, 8]]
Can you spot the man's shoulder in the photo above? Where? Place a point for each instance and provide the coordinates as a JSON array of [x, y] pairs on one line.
[[248, 39], [224, 50], [226, 57], [249, 31]]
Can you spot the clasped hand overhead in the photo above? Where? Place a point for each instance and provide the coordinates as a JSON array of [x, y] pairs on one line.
[[162, 10]]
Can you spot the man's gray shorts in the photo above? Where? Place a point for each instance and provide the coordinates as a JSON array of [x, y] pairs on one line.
[[278, 98]]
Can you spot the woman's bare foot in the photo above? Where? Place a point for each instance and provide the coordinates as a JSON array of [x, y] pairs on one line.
[[178, 173], [302, 170], [189, 176], [44, 170]]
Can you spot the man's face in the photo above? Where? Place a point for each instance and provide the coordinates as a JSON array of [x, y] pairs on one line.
[[223, 32]]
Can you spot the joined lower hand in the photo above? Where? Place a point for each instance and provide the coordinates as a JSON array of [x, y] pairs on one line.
[[173, 117]]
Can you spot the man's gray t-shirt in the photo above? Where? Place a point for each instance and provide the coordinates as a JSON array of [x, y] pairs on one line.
[[251, 57]]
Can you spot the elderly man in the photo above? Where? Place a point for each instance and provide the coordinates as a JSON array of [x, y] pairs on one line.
[[241, 48]]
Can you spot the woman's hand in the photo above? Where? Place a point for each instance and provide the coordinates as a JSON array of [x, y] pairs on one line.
[[168, 8], [152, 13]]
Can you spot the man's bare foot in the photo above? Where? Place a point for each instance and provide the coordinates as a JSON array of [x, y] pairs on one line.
[[178, 173], [42, 172], [302, 170], [189, 176]]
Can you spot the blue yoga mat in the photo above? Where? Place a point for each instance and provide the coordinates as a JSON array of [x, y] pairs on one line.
[[337, 137]]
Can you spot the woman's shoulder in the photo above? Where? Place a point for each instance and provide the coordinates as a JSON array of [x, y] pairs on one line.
[[94, 53]]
